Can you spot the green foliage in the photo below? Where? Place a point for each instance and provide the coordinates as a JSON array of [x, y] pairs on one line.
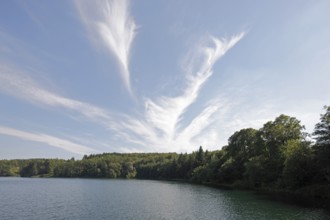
[[281, 130], [298, 164], [9, 168], [277, 155], [275, 135], [322, 146], [242, 144], [200, 173], [228, 172], [322, 129], [256, 173]]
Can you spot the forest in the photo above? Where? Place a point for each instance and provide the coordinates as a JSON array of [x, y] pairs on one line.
[[280, 156]]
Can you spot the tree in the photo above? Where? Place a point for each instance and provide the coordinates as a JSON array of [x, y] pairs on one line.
[[275, 135], [322, 145], [256, 172], [128, 170], [29, 170], [278, 132], [297, 170], [48, 167], [242, 144], [200, 174], [200, 157], [229, 172], [322, 129]]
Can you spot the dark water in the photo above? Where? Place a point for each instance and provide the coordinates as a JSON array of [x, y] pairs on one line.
[[22, 198]]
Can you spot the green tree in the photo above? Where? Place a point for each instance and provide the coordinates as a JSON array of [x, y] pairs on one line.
[[200, 174], [298, 164], [200, 157], [278, 132], [128, 170], [275, 136], [228, 172], [322, 145], [241, 146], [256, 173], [30, 169]]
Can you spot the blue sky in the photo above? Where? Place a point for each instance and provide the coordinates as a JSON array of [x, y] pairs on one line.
[[81, 77]]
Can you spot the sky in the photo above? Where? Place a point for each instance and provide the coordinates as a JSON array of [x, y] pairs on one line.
[[87, 77]]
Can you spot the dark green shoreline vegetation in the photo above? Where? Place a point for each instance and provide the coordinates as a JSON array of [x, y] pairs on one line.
[[279, 157]]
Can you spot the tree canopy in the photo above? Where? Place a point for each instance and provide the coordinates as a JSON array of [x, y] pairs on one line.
[[276, 156]]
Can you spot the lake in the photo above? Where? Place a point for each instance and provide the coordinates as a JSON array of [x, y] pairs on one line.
[[43, 198]]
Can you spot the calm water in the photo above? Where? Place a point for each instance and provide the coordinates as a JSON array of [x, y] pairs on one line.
[[22, 198]]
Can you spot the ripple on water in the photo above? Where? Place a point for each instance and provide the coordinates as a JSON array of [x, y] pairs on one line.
[[137, 199]]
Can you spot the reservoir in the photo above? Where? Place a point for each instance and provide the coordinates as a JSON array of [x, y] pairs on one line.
[[56, 198]]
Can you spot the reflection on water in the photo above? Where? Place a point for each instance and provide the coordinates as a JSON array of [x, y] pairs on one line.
[[138, 199]]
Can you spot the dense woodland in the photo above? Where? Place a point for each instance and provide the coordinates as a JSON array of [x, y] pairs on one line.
[[278, 156]]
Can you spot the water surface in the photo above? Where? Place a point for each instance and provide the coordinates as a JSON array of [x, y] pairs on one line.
[[42, 198]]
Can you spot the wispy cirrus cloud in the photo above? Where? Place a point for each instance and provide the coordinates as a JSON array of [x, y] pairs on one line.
[[159, 127], [165, 113], [47, 139], [110, 22], [161, 124], [18, 83]]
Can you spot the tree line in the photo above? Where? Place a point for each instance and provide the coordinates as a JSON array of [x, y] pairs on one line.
[[278, 156]]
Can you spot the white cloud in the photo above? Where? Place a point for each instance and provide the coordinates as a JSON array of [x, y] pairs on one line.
[[18, 83], [161, 126], [110, 22], [47, 139]]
